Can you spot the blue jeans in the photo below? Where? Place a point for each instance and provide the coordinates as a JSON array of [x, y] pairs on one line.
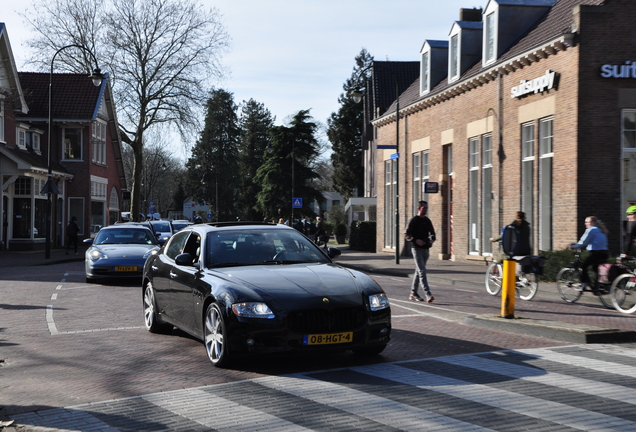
[[419, 279]]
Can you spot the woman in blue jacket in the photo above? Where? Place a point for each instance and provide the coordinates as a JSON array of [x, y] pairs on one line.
[[594, 240]]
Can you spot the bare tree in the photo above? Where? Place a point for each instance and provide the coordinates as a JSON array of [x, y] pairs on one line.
[[162, 54]]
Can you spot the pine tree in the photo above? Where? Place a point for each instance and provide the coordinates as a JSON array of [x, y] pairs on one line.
[[213, 167], [254, 123], [288, 165], [345, 133]]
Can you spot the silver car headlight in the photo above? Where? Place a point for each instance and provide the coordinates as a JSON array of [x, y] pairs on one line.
[[253, 310], [96, 254], [150, 253], [378, 302]]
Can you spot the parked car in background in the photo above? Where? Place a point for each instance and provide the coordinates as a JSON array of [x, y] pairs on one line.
[[180, 224], [162, 228], [251, 287], [119, 251]]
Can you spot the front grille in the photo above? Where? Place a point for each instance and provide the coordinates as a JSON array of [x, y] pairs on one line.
[[325, 321]]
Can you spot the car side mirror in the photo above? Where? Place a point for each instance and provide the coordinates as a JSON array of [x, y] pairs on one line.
[[184, 259], [88, 241], [333, 252]]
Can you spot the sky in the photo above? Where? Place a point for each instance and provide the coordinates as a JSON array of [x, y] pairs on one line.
[[293, 55]]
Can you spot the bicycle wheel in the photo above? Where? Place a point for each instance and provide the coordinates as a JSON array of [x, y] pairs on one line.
[[493, 278], [527, 286], [605, 296], [569, 284], [623, 293]]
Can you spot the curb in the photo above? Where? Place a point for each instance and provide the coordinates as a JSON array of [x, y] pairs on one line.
[[564, 331]]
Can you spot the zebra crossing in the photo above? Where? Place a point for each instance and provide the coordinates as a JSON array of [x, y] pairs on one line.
[[584, 387]]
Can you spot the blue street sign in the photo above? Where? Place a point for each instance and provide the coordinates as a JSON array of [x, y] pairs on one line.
[[395, 156], [297, 203], [209, 215], [386, 147]]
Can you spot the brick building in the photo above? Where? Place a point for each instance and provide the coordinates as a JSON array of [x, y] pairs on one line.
[[529, 105], [85, 160]]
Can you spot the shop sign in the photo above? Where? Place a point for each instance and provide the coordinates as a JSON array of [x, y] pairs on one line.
[[627, 70], [537, 85]]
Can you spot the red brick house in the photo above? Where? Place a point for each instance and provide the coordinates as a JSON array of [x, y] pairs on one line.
[[86, 162], [528, 105]]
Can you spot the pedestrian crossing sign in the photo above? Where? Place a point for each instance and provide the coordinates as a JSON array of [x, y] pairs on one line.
[[297, 203]]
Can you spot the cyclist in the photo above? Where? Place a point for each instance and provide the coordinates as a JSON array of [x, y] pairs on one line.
[[594, 240], [629, 242], [523, 227]]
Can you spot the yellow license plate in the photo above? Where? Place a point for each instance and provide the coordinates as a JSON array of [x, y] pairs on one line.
[[126, 268], [327, 339]]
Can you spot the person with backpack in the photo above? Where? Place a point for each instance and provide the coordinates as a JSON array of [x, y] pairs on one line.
[[71, 232]]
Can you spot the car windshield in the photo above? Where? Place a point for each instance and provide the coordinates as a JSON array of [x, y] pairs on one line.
[[125, 236], [251, 247], [179, 225]]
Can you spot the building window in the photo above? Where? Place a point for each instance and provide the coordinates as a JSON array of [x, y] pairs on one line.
[[473, 195], [454, 57], [629, 129], [389, 185], [22, 186], [486, 192], [2, 121], [73, 144], [527, 169], [35, 141], [425, 173], [424, 75], [417, 181], [21, 138], [113, 206], [545, 183], [490, 38], [99, 142]]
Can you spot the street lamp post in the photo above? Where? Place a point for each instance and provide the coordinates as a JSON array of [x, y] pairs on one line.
[[50, 186], [357, 97]]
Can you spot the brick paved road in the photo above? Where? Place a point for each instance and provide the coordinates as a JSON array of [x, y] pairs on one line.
[[65, 343], [556, 389]]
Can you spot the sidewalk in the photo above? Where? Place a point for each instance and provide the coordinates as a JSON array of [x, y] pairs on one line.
[[36, 258], [472, 275]]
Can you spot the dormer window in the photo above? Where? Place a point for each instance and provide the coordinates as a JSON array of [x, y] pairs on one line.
[[454, 58], [425, 81], [21, 137], [490, 34], [35, 141]]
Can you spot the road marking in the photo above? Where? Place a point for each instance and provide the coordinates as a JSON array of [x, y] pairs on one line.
[[428, 305], [77, 287], [99, 330], [59, 287], [465, 290], [49, 320], [54, 296]]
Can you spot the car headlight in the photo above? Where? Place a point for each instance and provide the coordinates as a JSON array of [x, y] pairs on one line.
[[96, 254], [378, 302], [252, 310], [150, 253]]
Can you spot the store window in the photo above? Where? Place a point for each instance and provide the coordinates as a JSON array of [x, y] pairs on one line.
[[546, 156], [417, 181], [29, 215], [73, 144], [389, 209], [486, 192], [473, 195], [527, 169], [629, 129]]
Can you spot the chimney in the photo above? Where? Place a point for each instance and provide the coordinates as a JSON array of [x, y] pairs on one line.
[[473, 14]]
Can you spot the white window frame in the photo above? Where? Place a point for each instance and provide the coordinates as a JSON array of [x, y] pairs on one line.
[[473, 196], [527, 168], [20, 137], [490, 37], [99, 142], [417, 180], [99, 187], [454, 55], [546, 180], [36, 142], [425, 72], [486, 194]]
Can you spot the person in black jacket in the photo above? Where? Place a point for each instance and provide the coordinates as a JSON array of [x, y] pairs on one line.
[[421, 234], [525, 233], [71, 232]]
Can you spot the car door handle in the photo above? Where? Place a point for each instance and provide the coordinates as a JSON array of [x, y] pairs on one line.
[[173, 275]]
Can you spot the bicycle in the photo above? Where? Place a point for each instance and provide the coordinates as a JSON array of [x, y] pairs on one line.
[[623, 289], [569, 283], [527, 280]]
